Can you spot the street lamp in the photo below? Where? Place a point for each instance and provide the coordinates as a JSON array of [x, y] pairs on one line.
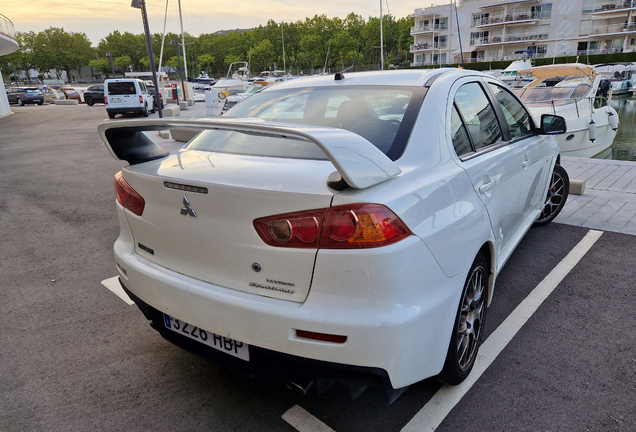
[[112, 65], [141, 4], [176, 42]]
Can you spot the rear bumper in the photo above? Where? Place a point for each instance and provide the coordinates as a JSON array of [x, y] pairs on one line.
[[125, 110], [400, 323]]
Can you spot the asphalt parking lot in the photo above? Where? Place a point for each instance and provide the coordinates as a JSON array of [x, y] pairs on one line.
[[75, 357]]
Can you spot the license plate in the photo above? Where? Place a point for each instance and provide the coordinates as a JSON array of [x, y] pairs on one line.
[[221, 343], [116, 100]]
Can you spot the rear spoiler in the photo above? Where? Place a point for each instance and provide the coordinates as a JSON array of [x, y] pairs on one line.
[[359, 163]]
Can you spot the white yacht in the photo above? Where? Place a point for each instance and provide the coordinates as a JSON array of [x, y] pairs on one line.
[[591, 122], [619, 75], [511, 76], [236, 80]]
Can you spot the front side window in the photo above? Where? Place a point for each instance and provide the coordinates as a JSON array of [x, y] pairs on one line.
[[478, 115], [516, 116]]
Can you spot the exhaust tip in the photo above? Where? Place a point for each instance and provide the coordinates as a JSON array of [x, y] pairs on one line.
[[301, 388]]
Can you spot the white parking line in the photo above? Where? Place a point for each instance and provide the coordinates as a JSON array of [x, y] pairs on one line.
[[303, 421], [114, 285], [436, 410]]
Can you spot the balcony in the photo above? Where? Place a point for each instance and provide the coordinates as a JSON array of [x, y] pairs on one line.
[[611, 29], [425, 29], [603, 7], [428, 46], [8, 41], [511, 39]]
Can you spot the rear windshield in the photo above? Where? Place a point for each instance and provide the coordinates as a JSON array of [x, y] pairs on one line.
[[384, 115], [121, 88], [256, 144]]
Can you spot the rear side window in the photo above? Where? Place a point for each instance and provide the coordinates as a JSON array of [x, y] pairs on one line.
[[121, 88]]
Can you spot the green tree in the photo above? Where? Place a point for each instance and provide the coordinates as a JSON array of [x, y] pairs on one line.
[[206, 60], [122, 63], [101, 65]]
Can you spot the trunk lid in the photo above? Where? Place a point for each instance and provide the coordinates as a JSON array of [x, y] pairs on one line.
[[199, 213]]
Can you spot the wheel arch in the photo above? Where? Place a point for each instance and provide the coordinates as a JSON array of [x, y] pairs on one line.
[[488, 251]]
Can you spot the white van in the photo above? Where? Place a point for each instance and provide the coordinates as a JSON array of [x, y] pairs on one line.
[[127, 95]]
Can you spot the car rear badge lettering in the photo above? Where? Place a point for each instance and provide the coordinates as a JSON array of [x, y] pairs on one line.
[[280, 282], [272, 288], [187, 210]]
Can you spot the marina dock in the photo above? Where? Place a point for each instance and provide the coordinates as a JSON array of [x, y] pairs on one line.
[[608, 201]]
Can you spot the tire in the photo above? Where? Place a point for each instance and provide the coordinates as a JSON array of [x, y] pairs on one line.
[[89, 101], [20, 102], [469, 323], [145, 111], [111, 115], [556, 197]]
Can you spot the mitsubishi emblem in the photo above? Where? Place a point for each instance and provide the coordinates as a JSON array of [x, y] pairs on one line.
[[187, 210]]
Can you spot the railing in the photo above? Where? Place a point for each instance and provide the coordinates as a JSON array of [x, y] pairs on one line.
[[610, 6], [428, 28], [612, 28], [513, 37], [6, 27], [428, 45]]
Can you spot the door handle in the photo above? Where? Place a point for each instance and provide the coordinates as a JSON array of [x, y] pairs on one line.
[[525, 163], [486, 186]]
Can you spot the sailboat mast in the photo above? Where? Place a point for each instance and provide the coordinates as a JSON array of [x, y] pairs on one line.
[[163, 38], [381, 40], [283, 39], [185, 64]]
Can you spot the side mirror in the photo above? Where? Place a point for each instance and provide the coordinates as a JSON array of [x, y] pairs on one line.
[[552, 125]]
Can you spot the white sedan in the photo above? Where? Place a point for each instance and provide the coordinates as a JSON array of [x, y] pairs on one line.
[[337, 228]]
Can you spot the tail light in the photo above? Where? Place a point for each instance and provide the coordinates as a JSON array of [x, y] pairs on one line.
[[105, 100], [343, 227], [141, 99], [127, 196]]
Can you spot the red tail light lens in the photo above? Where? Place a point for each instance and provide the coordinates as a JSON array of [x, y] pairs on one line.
[[343, 227], [105, 100], [141, 99], [127, 196], [301, 229]]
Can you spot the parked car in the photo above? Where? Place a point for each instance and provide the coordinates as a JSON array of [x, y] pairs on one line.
[[127, 95], [22, 96], [336, 228], [94, 94]]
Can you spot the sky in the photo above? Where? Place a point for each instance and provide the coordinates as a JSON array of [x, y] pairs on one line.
[[98, 18]]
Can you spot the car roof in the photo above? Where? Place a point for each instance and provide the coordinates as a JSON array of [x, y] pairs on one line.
[[411, 77]]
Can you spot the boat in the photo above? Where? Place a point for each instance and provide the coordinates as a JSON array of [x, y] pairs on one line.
[[236, 80], [270, 77], [619, 75], [202, 82], [511, 76], [591, 121]]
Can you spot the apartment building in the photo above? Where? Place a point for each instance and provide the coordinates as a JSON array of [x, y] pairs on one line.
[[487, 30]]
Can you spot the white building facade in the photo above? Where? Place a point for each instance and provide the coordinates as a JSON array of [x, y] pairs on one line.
[[487, 30]]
